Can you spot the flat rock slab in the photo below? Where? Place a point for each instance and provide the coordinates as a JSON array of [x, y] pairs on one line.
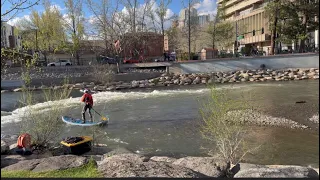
[[163, 159], [48, 164], [122, 168], [277, 172], [126, 157], [208, 166], [4, 147]]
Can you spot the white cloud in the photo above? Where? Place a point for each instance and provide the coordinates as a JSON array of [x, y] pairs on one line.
[[206, 7], [57, 7], [15, 21]]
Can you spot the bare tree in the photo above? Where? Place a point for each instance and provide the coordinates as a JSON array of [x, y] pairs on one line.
[[191, 22], [15, 6], [75, 27]]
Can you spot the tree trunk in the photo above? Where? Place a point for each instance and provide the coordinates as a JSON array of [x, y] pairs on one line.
[[303, 41], [189, 33], [274, 31]]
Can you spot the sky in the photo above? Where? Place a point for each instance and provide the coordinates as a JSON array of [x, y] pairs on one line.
[[203, 7]]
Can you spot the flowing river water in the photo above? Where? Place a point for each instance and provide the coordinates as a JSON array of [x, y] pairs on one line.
[[165, 121]]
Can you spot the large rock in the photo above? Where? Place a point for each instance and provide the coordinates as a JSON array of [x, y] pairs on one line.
[[277, 172], [4, 147], [126, 157], [78, 85], [114, 168], [208, 166], [48, 164], [7, 160]]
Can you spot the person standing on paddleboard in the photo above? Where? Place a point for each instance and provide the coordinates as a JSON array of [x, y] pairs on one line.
[[88, 103]]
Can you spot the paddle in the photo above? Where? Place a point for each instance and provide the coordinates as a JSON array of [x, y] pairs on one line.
[[102, 117]]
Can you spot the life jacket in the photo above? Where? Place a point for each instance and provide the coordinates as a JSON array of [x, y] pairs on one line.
[[87, 98], [24, 141]]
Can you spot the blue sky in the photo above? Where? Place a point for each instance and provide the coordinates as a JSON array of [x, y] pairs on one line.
[[203, 7]]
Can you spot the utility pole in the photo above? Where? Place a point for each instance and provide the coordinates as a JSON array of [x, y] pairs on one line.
[[189, 39]]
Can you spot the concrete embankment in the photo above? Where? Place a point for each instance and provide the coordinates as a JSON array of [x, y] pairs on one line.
[[223, 65]]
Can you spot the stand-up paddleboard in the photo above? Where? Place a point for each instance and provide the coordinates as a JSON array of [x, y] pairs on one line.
[[78, 122]]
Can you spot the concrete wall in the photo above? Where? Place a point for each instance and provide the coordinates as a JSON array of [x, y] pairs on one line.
[[277, 62]]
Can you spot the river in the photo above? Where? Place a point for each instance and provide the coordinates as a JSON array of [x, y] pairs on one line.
[[165, 121]]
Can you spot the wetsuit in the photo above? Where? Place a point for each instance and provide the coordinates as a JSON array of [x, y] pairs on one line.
[[88, 103]]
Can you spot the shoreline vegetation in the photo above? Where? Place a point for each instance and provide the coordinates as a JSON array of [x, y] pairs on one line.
[[170, 79]]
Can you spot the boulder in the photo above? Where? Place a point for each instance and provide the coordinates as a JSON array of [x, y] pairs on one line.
[[78, 85], [116, 151], [115, 168], [163, 159], [142, 85], [176, 81], [134, 84], [275, 171], [48, 164], [125, 157], [7, 160], [197, 80], [4, 147], [203, 81], [17, 90], [208, 166], [57, 87]]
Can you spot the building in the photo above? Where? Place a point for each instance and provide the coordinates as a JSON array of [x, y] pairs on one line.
[[149, 44], [8, 37], [203, 20], [183, 17], [253, 27]]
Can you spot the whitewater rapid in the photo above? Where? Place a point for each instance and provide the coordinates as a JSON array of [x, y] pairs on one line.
[[102, 98]]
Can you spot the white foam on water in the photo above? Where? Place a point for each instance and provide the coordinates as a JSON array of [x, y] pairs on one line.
[[102, 98], [5, 113]]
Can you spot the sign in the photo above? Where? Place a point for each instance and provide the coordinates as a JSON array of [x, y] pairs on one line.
[[240, 37]]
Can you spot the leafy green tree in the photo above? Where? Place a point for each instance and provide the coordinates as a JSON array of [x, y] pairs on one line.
[[292, 21], [43, 31]]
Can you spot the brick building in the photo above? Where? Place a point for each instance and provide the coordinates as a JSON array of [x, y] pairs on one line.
[[149, 44]]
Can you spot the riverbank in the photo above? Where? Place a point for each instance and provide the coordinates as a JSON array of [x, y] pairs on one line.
[[127, 164], [171, 79]]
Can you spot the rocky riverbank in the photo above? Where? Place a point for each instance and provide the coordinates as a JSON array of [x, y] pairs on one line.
[[203, 78], [123, 163]]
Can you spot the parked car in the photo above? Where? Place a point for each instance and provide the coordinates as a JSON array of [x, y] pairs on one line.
[[60, 63], [131, 60]]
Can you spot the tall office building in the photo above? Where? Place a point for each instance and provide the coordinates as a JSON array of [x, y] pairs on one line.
[[203, 20], [184, 14], [251, 20], [250, 16]]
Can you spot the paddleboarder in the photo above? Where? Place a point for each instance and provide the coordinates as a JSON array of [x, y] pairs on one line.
[[88, 103]]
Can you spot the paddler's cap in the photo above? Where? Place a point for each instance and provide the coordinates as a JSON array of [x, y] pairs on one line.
[[86, 90]]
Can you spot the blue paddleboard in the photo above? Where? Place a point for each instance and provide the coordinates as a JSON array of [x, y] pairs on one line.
[[78, 122]]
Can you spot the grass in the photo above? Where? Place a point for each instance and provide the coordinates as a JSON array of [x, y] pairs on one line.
[[86, 171]]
